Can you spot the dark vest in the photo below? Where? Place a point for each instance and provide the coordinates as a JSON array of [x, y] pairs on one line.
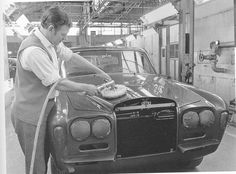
[[30, 93]]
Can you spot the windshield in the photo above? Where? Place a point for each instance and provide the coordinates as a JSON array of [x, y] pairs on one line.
[[113, 61]]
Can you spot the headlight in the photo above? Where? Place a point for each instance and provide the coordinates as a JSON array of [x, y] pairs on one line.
[[224, 119], [207, 118], [101, 128], [80, 130], [190, 119]]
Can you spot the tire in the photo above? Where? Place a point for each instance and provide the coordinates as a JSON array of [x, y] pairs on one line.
[[190, 163]]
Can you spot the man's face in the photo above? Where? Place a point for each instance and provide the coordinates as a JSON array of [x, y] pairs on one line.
[[59, 35]]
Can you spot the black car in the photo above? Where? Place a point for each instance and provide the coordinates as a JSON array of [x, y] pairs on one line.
[[147, 117]]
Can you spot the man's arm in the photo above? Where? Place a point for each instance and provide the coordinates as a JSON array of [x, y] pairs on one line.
[[68, 85], [67, 54], [36, 60]]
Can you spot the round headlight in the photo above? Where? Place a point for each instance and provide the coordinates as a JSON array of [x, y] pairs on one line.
[[101, 128], [190, 119], [207, 118], [80, 130]]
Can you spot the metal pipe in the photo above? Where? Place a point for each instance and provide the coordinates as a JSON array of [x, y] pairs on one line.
[[217, 69], [42, 115], [40, 122]]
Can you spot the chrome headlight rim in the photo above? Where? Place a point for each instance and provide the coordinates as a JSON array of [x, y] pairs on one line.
[[85, 129], [207, 118], [188, 116], [199, 111], [96, 130]]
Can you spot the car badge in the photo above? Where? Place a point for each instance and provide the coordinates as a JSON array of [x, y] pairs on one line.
[[146, 103]]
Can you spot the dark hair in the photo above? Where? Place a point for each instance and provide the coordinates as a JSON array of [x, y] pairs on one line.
[[56, 17]]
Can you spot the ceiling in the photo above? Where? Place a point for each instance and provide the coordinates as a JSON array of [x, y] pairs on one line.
[[88, 13]]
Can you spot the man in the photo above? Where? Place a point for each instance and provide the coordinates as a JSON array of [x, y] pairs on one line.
[[37, 71]]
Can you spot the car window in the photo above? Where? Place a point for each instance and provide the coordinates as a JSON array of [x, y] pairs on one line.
[[136, 62], [111, 61], [108, 61], [143, 63], [128, 62]]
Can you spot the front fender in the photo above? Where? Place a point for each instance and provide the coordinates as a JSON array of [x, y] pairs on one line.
[[214, 99]]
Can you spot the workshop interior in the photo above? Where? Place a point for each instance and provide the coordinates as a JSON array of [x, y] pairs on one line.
[[187, 50]]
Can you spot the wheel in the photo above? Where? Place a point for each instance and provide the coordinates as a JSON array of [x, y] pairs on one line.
[[190, 163]]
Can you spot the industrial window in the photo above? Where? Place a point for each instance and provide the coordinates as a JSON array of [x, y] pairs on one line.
[[174, 49], [163, 52]]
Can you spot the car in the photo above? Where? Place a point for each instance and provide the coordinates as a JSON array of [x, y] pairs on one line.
[[12, 67], [148, 118]]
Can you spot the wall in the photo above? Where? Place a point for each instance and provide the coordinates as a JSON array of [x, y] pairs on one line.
[[174, 61], [151, 45], [148, 40], [214, 20]]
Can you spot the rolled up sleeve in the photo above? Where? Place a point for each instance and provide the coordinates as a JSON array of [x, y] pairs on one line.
[[64, 52], [36, 60]]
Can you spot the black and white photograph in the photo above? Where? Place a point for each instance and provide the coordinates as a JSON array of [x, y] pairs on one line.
[[117, 86]]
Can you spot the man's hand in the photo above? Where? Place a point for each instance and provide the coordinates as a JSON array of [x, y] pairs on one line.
[[91, 89]]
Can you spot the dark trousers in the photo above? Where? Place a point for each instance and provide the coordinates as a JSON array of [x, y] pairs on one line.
[[26, 134]]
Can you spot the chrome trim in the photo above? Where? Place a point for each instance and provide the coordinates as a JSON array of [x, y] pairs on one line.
[[195, 138], [127, 108]]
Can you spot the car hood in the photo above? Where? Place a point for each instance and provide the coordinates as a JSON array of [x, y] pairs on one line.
[[137, 86]]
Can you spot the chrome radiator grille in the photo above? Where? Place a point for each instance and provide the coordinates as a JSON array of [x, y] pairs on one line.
[[146, 127]]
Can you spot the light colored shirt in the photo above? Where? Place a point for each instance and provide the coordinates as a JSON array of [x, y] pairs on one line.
[[35, 59]]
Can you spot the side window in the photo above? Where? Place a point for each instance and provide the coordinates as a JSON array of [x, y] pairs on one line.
[[174, 48], [128, 62], [143, 64], [140, 61]]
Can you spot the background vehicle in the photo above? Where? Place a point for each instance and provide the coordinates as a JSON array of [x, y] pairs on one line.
[[156, 119], [12, 67]]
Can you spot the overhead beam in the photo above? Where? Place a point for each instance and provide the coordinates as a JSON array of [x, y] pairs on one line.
[[132, 5]]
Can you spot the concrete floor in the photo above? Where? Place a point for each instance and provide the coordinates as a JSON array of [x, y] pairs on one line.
[[222, 160]]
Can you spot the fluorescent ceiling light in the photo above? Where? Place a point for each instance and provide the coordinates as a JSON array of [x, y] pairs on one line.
[[159, 14], [118, 42], [201, 1], [109, 44], [130, 38]]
